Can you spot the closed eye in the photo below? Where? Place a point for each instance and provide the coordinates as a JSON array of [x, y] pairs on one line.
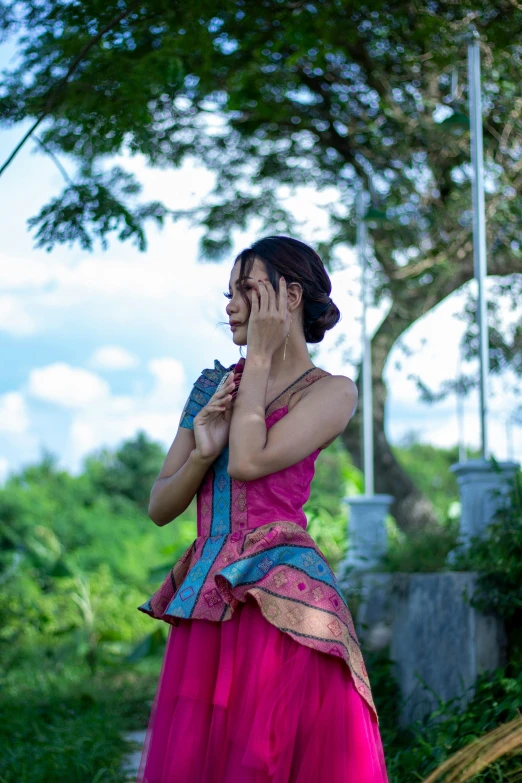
[[229, 295]]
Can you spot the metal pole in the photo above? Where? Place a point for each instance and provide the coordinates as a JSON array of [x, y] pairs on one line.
[[510, 446], [460, 414], [479, 228], [367, 350]]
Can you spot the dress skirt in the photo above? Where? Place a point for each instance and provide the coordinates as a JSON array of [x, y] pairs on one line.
[[241, 701]]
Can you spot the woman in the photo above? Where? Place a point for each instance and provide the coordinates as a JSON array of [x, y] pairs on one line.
[[263, 680]]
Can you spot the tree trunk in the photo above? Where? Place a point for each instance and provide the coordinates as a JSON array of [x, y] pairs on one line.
[[411, 509]]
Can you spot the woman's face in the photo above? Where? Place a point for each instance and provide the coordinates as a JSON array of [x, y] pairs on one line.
[[237, 309]]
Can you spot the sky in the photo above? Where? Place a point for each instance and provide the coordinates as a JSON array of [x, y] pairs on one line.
[[97, 346]]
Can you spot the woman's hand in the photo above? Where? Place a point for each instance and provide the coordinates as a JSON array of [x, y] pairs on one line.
[[269, 321], [212, 423]]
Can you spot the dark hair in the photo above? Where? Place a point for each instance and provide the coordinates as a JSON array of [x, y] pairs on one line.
[[297, 263]]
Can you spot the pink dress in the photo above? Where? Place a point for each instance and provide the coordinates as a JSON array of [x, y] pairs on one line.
[[263, 680]]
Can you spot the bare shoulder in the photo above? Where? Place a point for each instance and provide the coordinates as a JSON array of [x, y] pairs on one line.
[[334, 386], [336, 393], [338, 390]]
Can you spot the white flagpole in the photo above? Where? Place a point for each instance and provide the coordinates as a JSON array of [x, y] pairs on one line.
[[479, 228], [367, 351]]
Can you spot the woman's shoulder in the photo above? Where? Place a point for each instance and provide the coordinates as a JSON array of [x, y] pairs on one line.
[[319, 382], [334, 388], [331, 380]]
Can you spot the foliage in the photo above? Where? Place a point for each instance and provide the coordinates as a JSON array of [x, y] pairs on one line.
[[78, 555], [424, 551], [130, 471], [76, 561], [306, 91], [92, 209], [335, 477], [481, 754], [497, 556], [429, 468], [278, 94], [414, 752], [421, 551]]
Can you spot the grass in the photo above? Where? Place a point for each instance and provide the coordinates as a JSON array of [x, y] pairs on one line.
[[68, 726]]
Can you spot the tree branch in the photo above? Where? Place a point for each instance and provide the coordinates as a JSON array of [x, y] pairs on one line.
[[53, 95]]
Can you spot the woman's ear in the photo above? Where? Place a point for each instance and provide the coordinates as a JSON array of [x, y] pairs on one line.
[[294, 295]]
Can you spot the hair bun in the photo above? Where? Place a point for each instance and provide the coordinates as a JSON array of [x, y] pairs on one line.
[[315, 309]]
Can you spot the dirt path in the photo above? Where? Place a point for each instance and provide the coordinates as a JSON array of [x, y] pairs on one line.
[[132, 762]]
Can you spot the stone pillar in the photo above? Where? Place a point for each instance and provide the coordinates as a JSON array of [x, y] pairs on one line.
[[367, 535], [481, 488]]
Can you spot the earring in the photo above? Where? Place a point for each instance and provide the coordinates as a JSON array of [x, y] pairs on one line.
[[286, 341]]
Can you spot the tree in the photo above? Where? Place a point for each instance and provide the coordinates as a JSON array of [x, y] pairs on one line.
[[130, 471], [334, 93]]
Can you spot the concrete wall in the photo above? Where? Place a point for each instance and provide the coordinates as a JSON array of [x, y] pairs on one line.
[[438, 642]]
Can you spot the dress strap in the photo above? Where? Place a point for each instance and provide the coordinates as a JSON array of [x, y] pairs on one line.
[[304, 380]]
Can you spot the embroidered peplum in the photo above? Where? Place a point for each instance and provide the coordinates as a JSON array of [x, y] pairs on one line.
[[252, 539]]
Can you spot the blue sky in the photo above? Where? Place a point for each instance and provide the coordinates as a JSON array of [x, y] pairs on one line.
[[96, 346]]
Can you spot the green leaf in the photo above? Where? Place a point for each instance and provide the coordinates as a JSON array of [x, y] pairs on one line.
[[375, 214], [60, 569], [457, 119]]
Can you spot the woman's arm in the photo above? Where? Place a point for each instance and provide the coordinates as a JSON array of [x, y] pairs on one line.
[[319, 416], [202, 434], [248, 433], [178, 480]]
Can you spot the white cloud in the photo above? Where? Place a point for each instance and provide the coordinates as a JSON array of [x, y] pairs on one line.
[[15, 318], [169, 377], [4, 470], [70, 387], [115, 418], [113, 357], [27, 274], [14, 418], [163, 291]]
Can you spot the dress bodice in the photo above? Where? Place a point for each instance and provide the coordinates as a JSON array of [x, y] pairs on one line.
[[226, 505]]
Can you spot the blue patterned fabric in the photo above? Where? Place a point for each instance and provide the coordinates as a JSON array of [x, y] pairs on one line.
[[202, 391], [249, 570], [222, 496], [186, 597]]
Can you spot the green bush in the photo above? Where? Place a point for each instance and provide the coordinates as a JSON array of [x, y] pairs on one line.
[[335, 477], [423, 551], [429, 469], [413, 752], [497, 556], [78, 555]]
